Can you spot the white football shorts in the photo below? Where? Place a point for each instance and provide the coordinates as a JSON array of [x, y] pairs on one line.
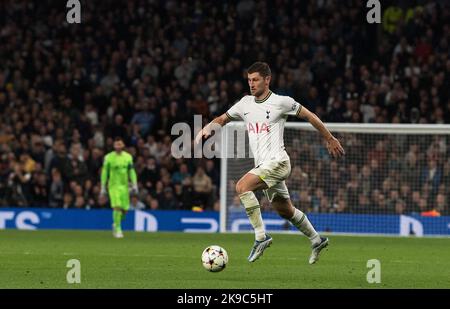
[[274, 173]]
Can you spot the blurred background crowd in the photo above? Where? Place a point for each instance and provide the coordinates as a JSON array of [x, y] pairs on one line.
[[134, 68], [381, 173]]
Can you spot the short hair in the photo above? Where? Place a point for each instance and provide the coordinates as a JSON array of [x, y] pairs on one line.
[[118, 139], [260, 67]]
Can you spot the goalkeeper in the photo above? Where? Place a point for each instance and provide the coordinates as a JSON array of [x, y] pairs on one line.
[[117, 171]]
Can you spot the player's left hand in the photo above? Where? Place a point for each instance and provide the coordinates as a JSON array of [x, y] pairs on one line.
[[103, 191], [334, 147]]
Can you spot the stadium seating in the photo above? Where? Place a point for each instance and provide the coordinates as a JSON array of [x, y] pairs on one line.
[[136, 67]]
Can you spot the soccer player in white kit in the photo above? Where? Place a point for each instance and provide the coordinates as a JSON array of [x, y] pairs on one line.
[[264, 114]]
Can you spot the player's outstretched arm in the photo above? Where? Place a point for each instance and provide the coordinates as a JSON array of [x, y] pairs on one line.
[[334, 146], [206, 131], [104, 176]]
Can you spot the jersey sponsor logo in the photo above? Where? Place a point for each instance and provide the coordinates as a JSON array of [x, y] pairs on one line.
[[119, 166], [258, 127]]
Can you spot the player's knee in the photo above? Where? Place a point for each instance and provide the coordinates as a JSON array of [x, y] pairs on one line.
[[241, 187]]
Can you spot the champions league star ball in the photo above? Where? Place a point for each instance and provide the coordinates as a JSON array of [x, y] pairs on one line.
[[214, 258]]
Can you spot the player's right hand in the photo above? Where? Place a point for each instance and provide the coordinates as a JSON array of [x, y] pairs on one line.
[[203, 133]]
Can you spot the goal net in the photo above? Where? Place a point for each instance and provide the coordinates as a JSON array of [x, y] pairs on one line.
[[394, 179]]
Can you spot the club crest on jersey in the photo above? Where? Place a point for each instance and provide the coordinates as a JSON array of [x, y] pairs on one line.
[[258, 127], [268, 114]]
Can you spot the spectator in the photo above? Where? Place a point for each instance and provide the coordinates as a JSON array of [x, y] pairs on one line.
[[423, 205], [39, 190], [149, 174], [61, 162], [340, 206], [212, 172], [80, 201], [118, 128], [181, 174], [77, 171], [154, 204], [442, 205], [363, 204], [89, 196], [400, 207], [144, 119], [432, 175], [405, 194], [168, 200], [164, 122], [67, 200], [94, 162], [19, 185], [158, 191], [365, 180], [136, 204], [184, 72], [109, 81], [202, 187]]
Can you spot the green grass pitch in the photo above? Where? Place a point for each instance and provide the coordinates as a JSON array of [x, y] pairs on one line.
[[37, 259]]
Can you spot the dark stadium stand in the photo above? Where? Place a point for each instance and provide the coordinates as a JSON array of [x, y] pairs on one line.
[[134, 68]]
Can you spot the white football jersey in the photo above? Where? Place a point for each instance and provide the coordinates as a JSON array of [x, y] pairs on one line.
[[264, 120]]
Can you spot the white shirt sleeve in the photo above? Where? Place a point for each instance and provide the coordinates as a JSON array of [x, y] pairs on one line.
[[290, 106], [236, 111]]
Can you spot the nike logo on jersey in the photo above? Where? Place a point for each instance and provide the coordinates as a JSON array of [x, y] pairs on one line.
[[246, 113]]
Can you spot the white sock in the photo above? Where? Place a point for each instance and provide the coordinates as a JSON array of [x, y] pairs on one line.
[[253, 210], [301, 222]]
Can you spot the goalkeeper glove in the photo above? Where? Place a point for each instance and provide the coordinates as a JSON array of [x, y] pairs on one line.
[[103, 191], [134, 189]]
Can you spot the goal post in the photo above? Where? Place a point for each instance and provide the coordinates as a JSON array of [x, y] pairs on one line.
[[393, 180]]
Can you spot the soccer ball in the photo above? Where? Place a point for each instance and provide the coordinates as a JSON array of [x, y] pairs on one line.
[[214, 258]]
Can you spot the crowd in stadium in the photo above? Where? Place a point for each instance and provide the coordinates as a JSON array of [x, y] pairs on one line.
[[383, 174], [134, 68]]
